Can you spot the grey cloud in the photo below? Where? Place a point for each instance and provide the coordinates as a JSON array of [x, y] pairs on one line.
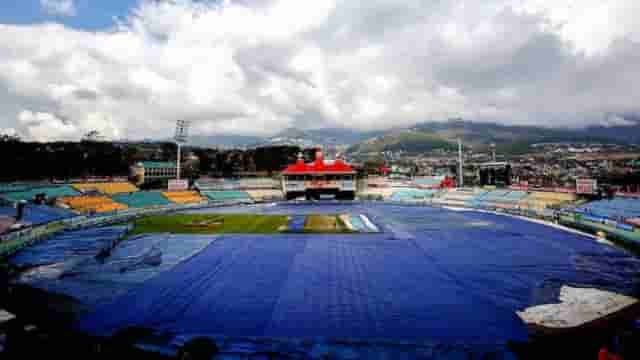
[[124, 91], [85, 94], [367, 65]]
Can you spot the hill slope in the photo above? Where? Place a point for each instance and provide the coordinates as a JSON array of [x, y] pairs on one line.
[[290, 136], [478, 136]]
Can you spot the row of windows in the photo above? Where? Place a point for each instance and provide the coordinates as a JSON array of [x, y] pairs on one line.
[[160, 172], [323, 177]]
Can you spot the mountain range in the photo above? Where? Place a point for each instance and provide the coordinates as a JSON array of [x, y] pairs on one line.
[[429, 136], [289, 136]]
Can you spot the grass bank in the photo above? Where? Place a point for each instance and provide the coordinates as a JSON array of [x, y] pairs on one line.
[[211, 224], [325, 224]]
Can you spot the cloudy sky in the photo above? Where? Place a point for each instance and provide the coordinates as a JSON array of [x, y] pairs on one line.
[[130, 68]]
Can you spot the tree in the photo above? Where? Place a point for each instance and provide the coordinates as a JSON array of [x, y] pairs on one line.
[[9, 138], [92, 136], [206, 162], [168, 151], [372, 166]]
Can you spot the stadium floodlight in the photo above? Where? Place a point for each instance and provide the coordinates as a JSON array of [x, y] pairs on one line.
[[182, 131], [460, 169], [181, 136]]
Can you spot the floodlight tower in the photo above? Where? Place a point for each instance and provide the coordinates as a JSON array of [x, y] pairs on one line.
[[182, 133], [460, 175], [493, 152]]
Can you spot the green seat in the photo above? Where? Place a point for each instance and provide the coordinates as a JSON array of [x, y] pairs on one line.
[[226, 195], [141, 199], [49, 191]]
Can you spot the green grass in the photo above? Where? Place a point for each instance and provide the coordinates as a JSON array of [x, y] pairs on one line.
[[9, 247], [325, 224], [624, 239], [211, 224]]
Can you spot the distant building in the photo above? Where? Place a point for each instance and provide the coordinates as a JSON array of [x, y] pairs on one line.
[[495, 174], [148, 171], [401, 172]]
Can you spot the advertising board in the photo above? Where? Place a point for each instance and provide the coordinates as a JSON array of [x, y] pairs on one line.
[[178, 185]]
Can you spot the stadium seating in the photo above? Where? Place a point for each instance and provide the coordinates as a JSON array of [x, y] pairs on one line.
[[613, 209], [109, 188], [141, 199], [259, 183], [538, 201], [634, 221], [183, 197], [455, 197], [515, 196], [377, 193], [262, 195], [92, 204], [230, 184], [413, 195], [510, 200], [4, 188], [483, 198], [432, 181], [554, 196], [217, 184], [495, 199], [535, 202], [223, 196], [478, 200], [49, 191]]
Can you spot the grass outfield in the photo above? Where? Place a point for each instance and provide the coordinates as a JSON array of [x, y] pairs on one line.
[[211, 224], [325, 224]]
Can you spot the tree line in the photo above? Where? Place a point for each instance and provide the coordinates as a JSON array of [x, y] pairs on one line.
[[61, 161]]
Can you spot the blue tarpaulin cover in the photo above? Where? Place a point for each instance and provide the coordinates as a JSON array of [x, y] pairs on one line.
[[38, 214], [357, 223], [449, 277], [613, 208], [67, 264], [412, 194], [70, 246], [296, 223]]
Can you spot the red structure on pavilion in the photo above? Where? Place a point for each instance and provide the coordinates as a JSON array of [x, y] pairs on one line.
[[320, 177]]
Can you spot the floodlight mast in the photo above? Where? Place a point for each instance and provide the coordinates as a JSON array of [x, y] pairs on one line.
[[460, 169], [181, 136]]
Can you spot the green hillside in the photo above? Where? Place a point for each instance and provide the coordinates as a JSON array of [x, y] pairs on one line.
[[427, 137], [404, 141]]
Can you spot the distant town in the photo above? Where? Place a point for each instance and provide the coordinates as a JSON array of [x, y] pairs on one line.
[[523, 162]]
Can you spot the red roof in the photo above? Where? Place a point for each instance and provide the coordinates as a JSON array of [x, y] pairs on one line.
[[448, 183], [319, 166]]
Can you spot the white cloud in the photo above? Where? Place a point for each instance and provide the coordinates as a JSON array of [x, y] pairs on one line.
[[616, 120], [591, 25], [45, 126], [260, 66], [8, 132], [59, 7]]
